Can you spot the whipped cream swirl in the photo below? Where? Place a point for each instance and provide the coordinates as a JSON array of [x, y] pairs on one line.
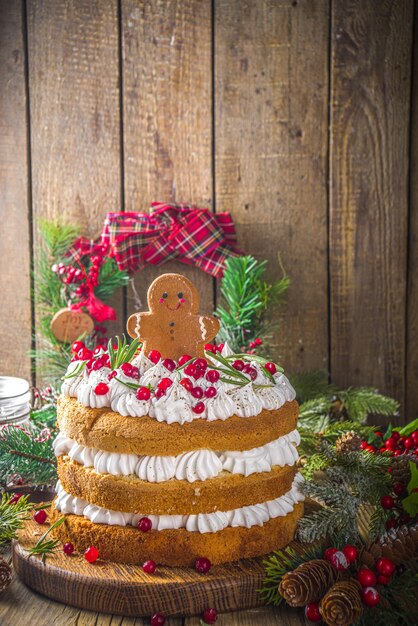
[[246, 516]]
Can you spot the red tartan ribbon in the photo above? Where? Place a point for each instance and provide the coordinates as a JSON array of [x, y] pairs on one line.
[[189, 234]]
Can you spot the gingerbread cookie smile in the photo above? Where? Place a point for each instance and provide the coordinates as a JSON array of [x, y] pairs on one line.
[[173, 325]]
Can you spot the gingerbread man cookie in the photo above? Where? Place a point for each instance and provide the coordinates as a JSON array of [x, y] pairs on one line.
[[173, 325]]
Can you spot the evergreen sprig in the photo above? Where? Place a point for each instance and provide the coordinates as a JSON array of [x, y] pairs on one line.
[[12, 516], [278, 564], [28, 453], [359, 402], [46, 546], [124, 352], [245, 298], [398, 603]]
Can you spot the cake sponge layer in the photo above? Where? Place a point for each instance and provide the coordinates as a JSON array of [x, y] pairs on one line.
[[106, 430], [129, 494], [176, 547]]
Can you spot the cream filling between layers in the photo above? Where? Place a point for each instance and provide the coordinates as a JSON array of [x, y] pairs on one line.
[[246, 516], [191, 466]]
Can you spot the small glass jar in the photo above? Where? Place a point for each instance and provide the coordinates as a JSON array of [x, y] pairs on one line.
[[14, 400]]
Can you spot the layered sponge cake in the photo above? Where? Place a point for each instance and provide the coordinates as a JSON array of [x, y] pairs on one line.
[[172, 459]]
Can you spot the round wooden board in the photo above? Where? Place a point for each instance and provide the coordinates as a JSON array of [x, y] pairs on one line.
[[127, 590]]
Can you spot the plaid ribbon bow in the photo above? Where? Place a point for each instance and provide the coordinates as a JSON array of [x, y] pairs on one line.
[[189, 234]]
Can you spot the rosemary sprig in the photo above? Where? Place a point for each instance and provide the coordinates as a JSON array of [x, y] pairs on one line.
[[124, 352], [45, 546], [77, 370], [130, 385], [227, 369]]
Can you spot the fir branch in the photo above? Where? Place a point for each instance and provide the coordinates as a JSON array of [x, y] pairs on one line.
[[12, 516], [110, 279], [27, 453], [314, 414], [44, 547], [278, 564], [312, 385], [359, 402]]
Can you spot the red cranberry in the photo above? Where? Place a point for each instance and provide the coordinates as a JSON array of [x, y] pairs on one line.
[[401, 442], [386, 567], [203, 565], [396, 436], [112, 374], [351, 553], [210, 616], [126, 369], [258, 341], [169, 365], [40, 516], [15, 498], [371, 597], [149, 567], [198, 408], [164, 383], [183, 359], [101, 389], [143, 393], [391, 443], [220, 347], [89, 364], [197, 392], [363, 445], [383, 580], [414, 436], [366, 577], [154, 356], [97, 350], [144, 524], [186, 383], [209, 347], [198, 373], [97, 364], [312, 612], [252, 372], [398, 488], [159, 393], [390, 523], [135, 372], [91, 554], [190, 369], [212, 376], [84, 354], [68, 548], [210, 392], [339, 561], [238, 365], [398, 452], [329, 552], [387, 502], [77, 346], [157, 619], [201, 364], [378, 434], [252, 344], [270, 367], [409, 443]]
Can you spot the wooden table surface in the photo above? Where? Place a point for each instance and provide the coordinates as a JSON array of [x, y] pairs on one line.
[[20, 606]]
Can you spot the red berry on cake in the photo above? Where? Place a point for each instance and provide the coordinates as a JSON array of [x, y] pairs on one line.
[[270, 367], [210, 392], [154, 356], [68, 548], [112, 374], [145, 524], [209, 347], [101, 389], [212, 376], [164, 383], [186, 383], [190, 369], [77, 345], [201, 364], [183, 359], [127, 369], [197, 392], [251, 371], [169, 364], [198, 408], [143, 393], [40, 516], [210, 616], [91, 554], [157, 619], [238, 365], [84, 354], [149, 567], [203, 565], [160, 393]]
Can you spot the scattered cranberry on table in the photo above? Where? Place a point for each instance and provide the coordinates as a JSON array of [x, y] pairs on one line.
[[40, 516], [15, 498], [157, 619], [209, 616], [91, 554], [203, 565], [68, 548], [149, 567], [312, 612]]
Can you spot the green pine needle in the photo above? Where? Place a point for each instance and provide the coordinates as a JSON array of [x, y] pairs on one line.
[[359, 402], [22, 454], [123, 353], [44, 547], [12, 516]]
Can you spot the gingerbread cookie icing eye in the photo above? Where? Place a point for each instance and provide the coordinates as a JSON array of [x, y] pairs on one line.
[[180, 295]]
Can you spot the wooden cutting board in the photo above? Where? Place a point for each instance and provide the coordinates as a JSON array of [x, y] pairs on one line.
[[127, 590]]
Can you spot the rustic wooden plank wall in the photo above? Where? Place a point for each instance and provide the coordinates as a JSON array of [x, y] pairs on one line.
[[298, 116]]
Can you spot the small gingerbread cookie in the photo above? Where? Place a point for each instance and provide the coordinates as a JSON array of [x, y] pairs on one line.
[[173, 325]]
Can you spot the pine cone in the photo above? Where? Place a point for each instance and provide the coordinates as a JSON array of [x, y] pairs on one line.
[[348, 442], [308, 582], [401, 546], [400, 468], [5, 574], [342, 605]]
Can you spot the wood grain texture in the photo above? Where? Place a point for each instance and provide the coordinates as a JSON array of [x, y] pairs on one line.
[[270, 141], [75, 117], [167, 116], [412, 287], [370, 88], [127, 590], [15, 247]]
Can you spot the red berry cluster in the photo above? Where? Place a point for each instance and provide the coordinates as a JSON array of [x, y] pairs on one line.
[[385, 568], [395, 445], [93, 259], [253, 345]]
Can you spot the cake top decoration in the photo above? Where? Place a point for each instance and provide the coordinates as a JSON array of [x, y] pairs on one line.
[[173, 325]]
